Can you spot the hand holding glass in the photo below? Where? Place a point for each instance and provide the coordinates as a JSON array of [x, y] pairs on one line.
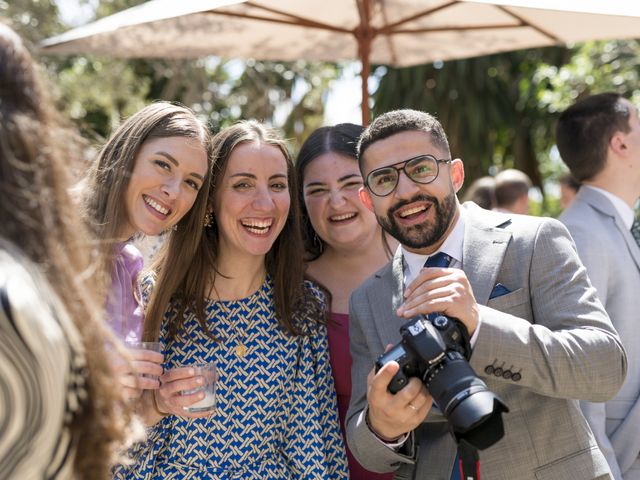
[[146, 358], [208, 372], [188, 390]]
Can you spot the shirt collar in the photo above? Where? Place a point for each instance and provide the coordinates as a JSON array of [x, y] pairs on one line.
[[625, 212], [452, 246]]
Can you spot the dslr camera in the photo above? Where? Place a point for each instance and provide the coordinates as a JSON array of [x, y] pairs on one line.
[[436, 350]]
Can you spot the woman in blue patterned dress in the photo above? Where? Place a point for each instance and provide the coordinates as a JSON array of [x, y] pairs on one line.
[[236, 295]]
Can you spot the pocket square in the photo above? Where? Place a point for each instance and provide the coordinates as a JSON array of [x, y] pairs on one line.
[[498, 291]]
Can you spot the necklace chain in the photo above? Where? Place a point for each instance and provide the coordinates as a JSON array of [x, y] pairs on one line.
[[241, 349]]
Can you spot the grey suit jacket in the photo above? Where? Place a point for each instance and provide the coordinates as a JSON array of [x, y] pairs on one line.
[[612, 257], [551, 329]]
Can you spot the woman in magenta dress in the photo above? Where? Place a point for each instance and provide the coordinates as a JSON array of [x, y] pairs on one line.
[[344, 243]]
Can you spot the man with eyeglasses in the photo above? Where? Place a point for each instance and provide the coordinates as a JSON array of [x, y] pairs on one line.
[[599, 140], [540, 336]]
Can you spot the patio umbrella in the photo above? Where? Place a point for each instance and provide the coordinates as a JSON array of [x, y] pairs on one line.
[[389, 32]]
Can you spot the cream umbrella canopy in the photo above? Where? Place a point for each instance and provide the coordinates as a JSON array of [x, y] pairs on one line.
[[389, 32]]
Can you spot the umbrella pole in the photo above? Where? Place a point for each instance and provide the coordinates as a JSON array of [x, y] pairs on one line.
[[364, 74], [364, 35]]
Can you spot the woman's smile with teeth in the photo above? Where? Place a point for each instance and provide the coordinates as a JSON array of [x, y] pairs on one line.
[[256, 226], [156, 206], [411, 211], [344, 216]]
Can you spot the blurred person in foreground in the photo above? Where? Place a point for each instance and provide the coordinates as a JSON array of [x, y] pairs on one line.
[[512, 191], [60, 416], [539, 337], [599, 140], [344, 243]]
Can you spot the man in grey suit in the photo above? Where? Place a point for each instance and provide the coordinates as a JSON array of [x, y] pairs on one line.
[[599, 140], [540, 336]]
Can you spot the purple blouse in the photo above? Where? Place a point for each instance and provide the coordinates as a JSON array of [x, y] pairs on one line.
[[124, 309]]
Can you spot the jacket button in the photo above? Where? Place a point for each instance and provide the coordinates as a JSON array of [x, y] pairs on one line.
[[498, 372], [507, 374], [516, 377], [488, 369]]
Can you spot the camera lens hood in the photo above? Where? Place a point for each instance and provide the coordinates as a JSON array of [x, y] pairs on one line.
[[478, 419]]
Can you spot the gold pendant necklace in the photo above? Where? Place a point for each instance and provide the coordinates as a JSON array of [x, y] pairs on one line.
[[240, 349]]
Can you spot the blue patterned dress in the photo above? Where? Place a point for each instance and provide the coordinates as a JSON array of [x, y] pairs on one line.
[[276, 416]]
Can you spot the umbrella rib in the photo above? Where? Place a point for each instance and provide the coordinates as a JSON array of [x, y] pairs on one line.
[[392, 48], [529, 24], [289, 19], [389, 29], [454, 28]]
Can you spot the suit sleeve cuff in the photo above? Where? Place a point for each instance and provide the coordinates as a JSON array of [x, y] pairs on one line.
[[394, 444]]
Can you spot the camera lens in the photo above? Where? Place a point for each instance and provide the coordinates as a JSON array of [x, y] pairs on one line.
[[473, 412]]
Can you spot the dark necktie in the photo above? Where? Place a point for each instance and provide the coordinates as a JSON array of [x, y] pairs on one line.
[[440, 259], [443, 260], [635, 231]]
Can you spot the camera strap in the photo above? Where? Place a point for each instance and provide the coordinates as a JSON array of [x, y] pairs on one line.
[[468, 461]]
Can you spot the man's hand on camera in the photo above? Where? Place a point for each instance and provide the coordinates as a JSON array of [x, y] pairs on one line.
[[391, 416], [444, 290]]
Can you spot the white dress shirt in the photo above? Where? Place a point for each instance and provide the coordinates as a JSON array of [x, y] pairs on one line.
[[452, 246]]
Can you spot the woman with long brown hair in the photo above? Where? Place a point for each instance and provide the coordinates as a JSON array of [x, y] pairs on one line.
[[236, 295], [150, 177], [59, 414]]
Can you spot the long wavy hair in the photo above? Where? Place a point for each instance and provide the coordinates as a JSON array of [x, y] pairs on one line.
[[187, 265], [107, 180], [37, 216]]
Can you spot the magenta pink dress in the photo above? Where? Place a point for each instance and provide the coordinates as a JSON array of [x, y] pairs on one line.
[[340, 359]]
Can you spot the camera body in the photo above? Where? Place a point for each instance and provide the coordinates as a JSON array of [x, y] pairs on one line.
[[425, 346], [436, 350]]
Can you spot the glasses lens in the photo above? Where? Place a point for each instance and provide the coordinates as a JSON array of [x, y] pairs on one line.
[[383, 180], [422, 169]]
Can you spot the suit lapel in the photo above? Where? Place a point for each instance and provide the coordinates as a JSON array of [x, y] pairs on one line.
[[386, 298], [601, 203], [483, 251]]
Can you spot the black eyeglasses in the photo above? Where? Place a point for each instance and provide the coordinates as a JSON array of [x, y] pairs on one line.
[[421, 169]]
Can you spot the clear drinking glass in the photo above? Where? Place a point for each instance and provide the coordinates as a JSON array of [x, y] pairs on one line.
[[209, 373], [153, 346]]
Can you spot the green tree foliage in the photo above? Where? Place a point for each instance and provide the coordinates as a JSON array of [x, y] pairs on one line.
[[594, 67], [34, 20]]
